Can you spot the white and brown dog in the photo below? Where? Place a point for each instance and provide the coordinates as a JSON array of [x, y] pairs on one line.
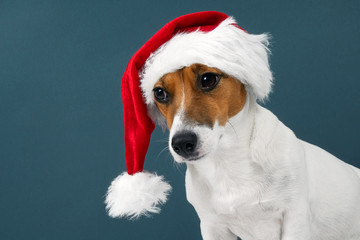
[[248, 175]]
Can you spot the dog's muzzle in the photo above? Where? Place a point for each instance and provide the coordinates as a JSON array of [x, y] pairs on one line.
[[184, 144]]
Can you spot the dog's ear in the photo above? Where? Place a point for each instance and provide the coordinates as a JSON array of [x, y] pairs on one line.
[[156, 115]]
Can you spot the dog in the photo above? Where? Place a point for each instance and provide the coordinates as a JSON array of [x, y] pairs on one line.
[[248, 175]]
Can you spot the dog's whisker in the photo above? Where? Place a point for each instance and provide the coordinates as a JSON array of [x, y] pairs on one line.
[[163, 150], [163, 140], [178, 167]]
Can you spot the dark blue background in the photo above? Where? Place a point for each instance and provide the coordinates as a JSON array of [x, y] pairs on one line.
[[61, 135]]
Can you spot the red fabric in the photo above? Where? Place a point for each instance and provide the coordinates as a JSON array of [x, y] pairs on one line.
[[138, 125]]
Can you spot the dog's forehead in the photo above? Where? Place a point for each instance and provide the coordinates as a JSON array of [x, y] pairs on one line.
[[198, 68]]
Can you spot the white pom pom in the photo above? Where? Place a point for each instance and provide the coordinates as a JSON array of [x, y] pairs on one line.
[[135, 195]]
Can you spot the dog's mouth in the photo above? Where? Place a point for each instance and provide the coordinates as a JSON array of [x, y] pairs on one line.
[[191, 159]]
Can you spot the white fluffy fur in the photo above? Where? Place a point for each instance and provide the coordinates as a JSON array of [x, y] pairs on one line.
[[259, 181], [135, 195], [237, 53]]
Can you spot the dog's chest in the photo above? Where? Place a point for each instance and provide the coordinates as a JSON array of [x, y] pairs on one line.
[[240, 208]]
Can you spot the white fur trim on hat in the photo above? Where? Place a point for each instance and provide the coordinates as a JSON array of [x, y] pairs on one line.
[[227, 47], [136, 195]]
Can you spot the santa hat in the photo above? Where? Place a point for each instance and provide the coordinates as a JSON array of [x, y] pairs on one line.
[[209, 38]]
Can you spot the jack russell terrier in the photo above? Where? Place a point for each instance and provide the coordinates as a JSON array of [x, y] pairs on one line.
[[248, 175]]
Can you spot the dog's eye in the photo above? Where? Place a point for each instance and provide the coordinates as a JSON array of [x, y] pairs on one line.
[[161, 95], [208, 81]]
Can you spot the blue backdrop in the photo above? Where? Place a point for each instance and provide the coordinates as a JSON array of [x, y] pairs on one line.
[[61, 126]]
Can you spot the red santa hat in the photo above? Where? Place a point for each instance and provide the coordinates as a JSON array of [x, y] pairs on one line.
[[209, 38]]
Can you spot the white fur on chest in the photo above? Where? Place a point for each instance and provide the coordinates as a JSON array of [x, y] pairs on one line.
[[241, 207]]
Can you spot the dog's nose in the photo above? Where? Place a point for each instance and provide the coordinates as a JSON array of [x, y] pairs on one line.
[[184, 143]]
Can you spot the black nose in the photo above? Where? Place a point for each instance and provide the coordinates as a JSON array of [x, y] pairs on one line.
[[184, 143]]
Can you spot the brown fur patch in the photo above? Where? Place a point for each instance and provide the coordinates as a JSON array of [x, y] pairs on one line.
[[219, 104]]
